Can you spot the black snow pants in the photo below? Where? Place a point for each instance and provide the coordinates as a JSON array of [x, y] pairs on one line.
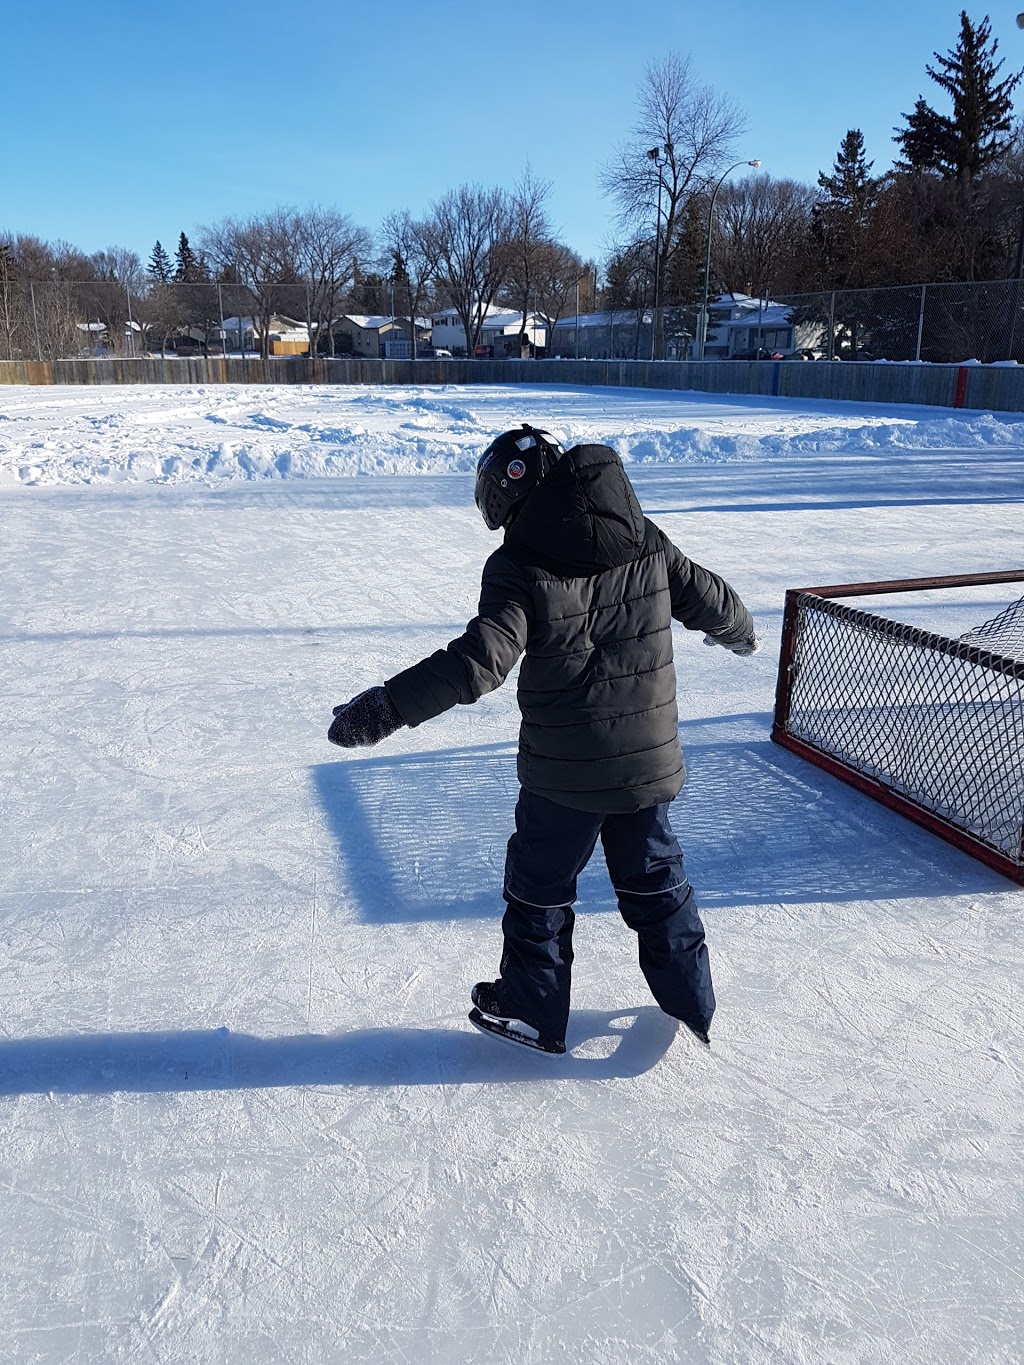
[[550, 848]]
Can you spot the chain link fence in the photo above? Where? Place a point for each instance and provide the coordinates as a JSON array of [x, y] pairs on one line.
[[72, 319], [943, 323]]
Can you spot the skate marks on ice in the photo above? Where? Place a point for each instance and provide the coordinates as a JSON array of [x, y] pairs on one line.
[[602, 1045], [422, 836]]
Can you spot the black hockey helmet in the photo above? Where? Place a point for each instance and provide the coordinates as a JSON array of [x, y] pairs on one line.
[[510, 469]]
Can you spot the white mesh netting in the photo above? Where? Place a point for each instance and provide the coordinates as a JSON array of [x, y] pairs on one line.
[[1003, 635], [939, 721]]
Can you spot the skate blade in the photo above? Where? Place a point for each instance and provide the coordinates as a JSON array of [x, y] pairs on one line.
[[503, 1029]]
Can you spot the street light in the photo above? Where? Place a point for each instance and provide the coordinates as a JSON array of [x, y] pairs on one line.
[[702, 324], [655, 155]]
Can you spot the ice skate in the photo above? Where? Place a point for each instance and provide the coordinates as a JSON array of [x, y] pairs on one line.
[[488, 1016]]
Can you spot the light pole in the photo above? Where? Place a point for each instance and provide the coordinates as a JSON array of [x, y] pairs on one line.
[[702, 321], [655, 155]]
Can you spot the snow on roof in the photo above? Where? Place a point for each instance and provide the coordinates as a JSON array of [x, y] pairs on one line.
[[489, 312], [371, 322], [511, 319], [233, 324], [768, 315]]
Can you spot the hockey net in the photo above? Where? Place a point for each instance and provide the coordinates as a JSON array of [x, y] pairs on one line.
[[932, 726]]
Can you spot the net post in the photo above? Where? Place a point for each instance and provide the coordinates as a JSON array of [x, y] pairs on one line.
[[784, 683]]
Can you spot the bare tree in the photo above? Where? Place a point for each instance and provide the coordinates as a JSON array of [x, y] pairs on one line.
[[261, 253], [47, 307], [627, 273], [557, 274], [116, 278], [328, 248], [761, 225], [414, 262], [529, 236], [694, 130], [468, 232], [8, 299]]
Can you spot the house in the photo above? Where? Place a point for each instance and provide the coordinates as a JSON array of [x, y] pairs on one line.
[[500, 325], [501, 332], [384, 338], [620, 333], [95, 341], [285, 336], [741, 327]]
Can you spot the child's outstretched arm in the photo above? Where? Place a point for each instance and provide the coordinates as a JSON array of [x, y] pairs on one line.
[[474, 664], [701, 600]]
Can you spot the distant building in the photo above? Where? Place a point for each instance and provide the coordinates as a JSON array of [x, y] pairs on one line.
[[497, 336], [617, 334], [741, 327], [379, 338], [285, 336]]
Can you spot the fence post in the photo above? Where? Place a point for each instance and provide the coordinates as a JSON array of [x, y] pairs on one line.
[[832, 326], [223, 334], [35, 320], [920, 323]]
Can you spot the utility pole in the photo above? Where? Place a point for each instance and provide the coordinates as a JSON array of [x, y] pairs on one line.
[[702, 321], [655, 155]]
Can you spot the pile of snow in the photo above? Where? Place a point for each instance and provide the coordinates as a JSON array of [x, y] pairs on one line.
[[208, 435]]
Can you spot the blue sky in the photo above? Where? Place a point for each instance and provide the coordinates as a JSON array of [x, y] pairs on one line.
[[130, 121]]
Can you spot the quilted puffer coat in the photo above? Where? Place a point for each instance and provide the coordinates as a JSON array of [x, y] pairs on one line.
[[588, 588]]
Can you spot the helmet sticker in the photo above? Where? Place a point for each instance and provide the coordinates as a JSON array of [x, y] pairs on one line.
[[516, 469]]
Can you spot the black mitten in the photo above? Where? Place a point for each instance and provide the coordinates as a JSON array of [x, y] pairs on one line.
[[743, 645], [367, 719]]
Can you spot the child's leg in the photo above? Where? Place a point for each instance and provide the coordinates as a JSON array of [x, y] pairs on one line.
[[550, 848], [656, 900]]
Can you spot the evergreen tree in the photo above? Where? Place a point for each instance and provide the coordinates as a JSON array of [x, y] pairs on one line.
[[963, 144], [188, 269], [843, 215], [159, 267]]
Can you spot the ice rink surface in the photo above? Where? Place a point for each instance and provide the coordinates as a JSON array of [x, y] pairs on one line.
[[242, 1116]]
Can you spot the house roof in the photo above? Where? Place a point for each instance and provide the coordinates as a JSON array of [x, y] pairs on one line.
[[769, 315], [369, 322], [492, 310], [512, 319], [277, 323], [621, 317], [373, 323]]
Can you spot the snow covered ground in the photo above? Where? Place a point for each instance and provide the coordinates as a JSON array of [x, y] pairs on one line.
[[68, 435], [242, 1117]]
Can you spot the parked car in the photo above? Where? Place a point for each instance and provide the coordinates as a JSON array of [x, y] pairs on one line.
[[441, 354]]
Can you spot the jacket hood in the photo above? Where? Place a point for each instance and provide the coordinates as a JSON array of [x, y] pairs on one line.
[[582, 518]]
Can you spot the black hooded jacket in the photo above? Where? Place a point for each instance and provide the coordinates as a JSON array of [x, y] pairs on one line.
[[588, 588]]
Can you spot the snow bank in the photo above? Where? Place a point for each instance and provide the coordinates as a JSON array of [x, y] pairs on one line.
[[209, 435]]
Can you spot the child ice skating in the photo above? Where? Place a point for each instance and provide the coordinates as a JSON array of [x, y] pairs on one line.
[[588, 588]]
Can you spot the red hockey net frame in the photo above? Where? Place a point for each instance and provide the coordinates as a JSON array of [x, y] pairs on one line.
[[929, 726]]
